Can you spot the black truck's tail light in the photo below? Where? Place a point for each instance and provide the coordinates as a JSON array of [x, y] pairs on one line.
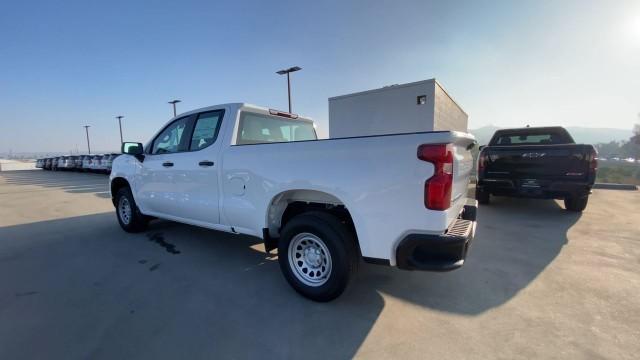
[[482, 162], [437, 189]]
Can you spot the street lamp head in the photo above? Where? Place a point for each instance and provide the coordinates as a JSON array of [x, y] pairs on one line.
[[174, 101], [289, 70], [119, 117]]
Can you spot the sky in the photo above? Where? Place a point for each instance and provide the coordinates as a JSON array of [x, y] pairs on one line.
[[507, 63]]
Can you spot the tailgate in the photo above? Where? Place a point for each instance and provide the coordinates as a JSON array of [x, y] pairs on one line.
[[537, 161], [462, 167]]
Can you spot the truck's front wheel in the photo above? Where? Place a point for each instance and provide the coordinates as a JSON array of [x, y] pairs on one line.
[[317, 255], [129, 216]]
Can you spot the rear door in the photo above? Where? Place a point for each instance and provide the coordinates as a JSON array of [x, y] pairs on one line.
[[200, 183]]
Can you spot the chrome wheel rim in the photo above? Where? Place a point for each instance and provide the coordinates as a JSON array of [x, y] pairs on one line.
[[309, 259], [124, 210]]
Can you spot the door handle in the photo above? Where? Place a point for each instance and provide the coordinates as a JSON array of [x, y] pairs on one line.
[[167, 164], [206, 163]]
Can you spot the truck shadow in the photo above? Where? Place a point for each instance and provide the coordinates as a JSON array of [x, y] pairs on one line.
[[71, 182], [516, 239], [220, 294], [121, 295]]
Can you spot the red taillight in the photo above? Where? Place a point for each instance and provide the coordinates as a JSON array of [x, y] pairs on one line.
[[283, 114], [437, 189]]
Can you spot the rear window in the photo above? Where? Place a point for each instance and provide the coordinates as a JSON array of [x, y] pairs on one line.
[[259, 128], [531, 137]]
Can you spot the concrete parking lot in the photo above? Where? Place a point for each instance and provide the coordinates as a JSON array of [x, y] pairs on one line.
[[539, 282]]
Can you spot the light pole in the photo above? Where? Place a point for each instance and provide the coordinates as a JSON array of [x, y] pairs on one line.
[[119, 117], [174, 102], [287, 71], [86, 128]]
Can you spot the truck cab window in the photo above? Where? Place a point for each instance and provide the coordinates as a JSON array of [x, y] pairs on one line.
[[525, 139], [259, 128], [206, 129], [541, 136], [171, 138]]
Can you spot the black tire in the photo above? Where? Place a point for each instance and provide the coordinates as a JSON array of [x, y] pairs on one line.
[[482, 196], [136, 221], [343, 256], [576, 204]]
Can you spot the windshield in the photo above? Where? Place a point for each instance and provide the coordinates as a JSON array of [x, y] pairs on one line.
[[257, 128]]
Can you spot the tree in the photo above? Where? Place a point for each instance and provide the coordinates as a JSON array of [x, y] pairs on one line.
[[608, 150], [632, 147]]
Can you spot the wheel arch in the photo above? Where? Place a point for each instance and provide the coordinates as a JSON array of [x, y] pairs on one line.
[[287, 204], [117, 183]]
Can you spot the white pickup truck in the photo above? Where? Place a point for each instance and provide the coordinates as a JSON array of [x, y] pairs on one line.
[[399, 200]]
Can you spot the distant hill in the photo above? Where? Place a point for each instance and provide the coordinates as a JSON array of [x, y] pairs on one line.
[[583, 135], [484, 134]]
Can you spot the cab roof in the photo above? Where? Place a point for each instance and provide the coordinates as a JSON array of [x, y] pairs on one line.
[[236, 107]]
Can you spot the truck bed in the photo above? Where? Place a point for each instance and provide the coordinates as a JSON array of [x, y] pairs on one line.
[[373, 176]]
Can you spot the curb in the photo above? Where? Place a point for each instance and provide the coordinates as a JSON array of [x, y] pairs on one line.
[[611, 186]]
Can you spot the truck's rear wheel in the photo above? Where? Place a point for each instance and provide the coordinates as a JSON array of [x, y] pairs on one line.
[[577, 204], [482, 196], [317, 255], [129, 216]]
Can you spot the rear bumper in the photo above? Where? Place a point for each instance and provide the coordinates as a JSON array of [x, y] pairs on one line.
[[443, 252], [549, 190]]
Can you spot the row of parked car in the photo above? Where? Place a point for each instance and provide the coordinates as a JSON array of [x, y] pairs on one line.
[[92, 163]]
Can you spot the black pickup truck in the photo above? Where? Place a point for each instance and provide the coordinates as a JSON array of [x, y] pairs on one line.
[[541, 162]]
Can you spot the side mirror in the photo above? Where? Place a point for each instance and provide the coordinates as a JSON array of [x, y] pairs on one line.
[[481, 147], [132, 148]]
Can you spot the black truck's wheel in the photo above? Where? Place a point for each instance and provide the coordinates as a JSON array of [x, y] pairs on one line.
[[482, 196], [129, 216], [317, 255], [577, 204]]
